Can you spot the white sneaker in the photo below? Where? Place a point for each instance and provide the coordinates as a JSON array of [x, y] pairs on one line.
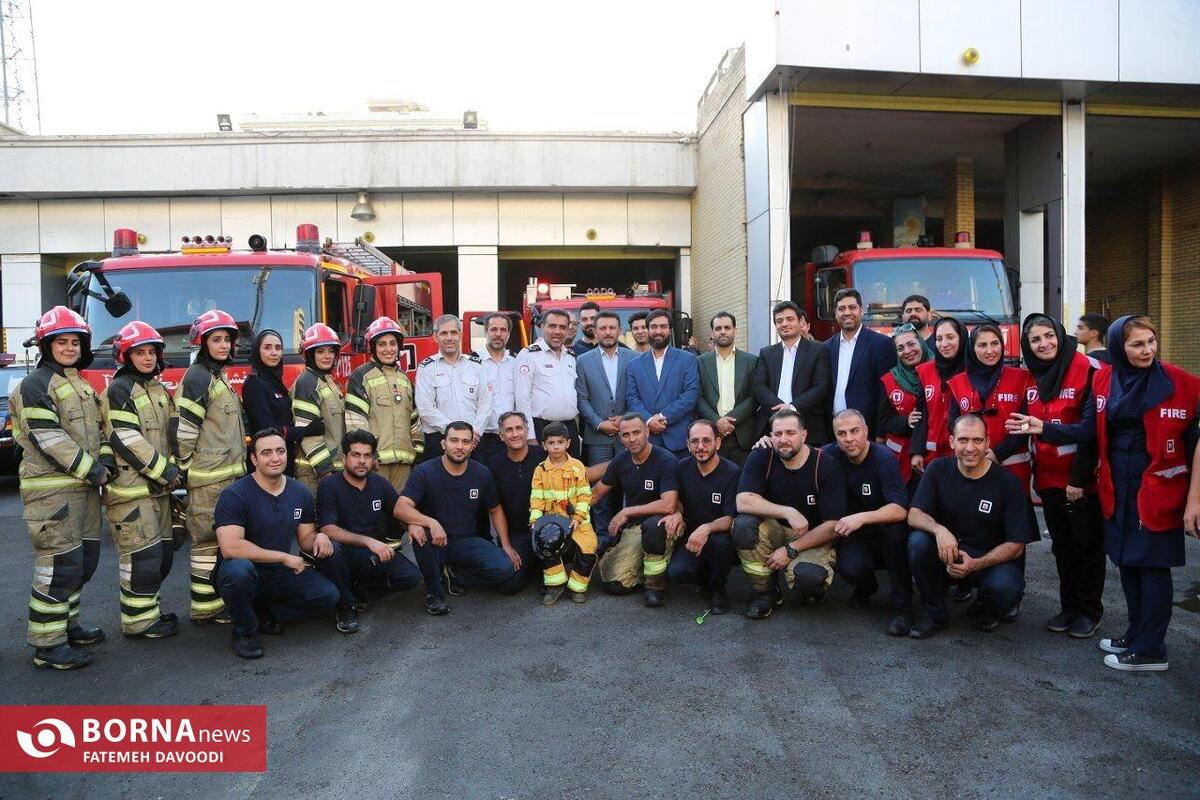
[[1117, 646]]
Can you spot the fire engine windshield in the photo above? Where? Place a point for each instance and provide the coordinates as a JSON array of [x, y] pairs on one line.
[[170, 299], [953, 285]]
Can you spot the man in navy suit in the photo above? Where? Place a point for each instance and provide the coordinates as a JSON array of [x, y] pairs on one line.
[[600, 388], [663, 384], [858, 357]]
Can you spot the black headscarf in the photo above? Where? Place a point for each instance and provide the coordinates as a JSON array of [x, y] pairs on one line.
[[1134, 391], [273, 376], [86, 356], [1048, 374], [982, 377], [159, 365], [947, 368]]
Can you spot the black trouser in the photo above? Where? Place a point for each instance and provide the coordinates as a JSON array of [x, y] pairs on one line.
[[1000, 586], [539, 425], [710, 569], [350, 567], [733, 451], [1077, 541], [489, 445], [874, 547]]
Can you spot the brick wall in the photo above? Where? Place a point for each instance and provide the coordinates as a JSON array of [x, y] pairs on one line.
[[958, 189], [1117, 251], [719, 271]]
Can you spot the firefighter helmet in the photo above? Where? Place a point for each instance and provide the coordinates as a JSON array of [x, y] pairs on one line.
[[210, 321], [57, 321], [135, 334], [319, 335], [549, 536], [381, 326]]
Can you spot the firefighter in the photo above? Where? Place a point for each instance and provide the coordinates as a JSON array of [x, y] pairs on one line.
[[317, 405], [56, 420], [208, 440], [137, 500], [379, 398]]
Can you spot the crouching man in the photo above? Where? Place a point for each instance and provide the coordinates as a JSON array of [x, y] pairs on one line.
[[789, 498], [971, 523], [257, 518]]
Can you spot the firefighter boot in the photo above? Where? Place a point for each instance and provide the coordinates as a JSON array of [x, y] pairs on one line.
[[61, 656]]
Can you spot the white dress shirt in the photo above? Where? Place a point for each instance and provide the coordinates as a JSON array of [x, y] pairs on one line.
[[544, 385], [447, 392], [845, 357], [658, 363], [499, 376], [611, 366], [784, 392]]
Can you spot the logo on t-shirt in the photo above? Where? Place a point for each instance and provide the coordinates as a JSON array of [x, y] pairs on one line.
[[295, 513], [1170, 445], [474, 494], [985, 506], [716, 498], [376, 505], [649, 486], [812, 499], [866, 490]]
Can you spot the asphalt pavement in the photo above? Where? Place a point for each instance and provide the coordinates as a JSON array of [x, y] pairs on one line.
[[506, 699]]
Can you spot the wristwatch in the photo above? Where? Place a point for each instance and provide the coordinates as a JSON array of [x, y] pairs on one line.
[[791, 551]]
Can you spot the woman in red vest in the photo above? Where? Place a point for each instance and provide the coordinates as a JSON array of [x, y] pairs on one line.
[[1064, 474], [931, 431], [898, 406], [993, 390], [1143, 420]]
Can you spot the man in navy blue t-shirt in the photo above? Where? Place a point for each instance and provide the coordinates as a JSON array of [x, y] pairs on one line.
[[512, 470], [356, 510], [790, 496], [258, 518], [441, 504], [873, 534], [644, 475], [707, 506]]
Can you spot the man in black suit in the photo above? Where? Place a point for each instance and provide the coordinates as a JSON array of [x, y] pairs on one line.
[[793, 372], [726, 390], [858, 357]]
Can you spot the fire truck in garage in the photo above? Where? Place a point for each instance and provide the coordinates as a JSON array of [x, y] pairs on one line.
[[971, 284], [345, 286]]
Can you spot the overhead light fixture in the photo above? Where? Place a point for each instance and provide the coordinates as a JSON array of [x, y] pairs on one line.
[[470, 120], [362, 210], [224, 123]]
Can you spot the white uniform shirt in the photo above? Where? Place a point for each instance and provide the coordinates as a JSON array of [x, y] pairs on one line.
[[544, 385], [784, 392], [449, 392], [500, 375], [845, 357]]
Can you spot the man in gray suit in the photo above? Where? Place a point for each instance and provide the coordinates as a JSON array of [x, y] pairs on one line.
[[600, 388], [727, 390]]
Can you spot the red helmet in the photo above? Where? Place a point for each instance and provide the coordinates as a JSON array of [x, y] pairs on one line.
[[319, 335], [60, 320], [381, 326], [135, 334], [210, 321]]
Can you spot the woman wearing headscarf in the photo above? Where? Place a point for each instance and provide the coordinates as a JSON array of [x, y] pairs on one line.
[[1143, 420], [1064, 474], [993, 390], [931, 431], [898, 406], [266, 398]]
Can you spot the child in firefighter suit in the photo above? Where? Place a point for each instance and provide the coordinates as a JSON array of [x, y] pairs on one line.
[[560, 486], [138, 499], [56, 420]]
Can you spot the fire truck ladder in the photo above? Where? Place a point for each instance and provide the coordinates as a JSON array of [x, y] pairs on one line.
[[366, 256]]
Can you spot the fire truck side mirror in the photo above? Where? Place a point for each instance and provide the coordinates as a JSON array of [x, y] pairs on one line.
[[118, 304], [824, 255], [363, 314]]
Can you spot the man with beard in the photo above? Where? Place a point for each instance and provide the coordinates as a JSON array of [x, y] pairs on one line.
[[544, 387], [707, 507], [639, 332], [873, 533], [916, 312], [441, 504], [790, 497], [500, 371], [600, 387], [355, 509], [727, 390], [663, 385], [587, 325]]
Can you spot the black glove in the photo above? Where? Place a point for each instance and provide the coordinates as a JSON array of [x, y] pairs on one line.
[[314, 428]]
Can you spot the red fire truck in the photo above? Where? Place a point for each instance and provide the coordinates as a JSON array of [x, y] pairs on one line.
[[962, 281], [343, 285]]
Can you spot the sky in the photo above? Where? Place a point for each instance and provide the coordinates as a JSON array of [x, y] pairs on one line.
[[168, 67]]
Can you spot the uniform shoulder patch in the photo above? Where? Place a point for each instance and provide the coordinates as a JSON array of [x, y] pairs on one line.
[[534, 348], [475, 358], [427, 360]]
